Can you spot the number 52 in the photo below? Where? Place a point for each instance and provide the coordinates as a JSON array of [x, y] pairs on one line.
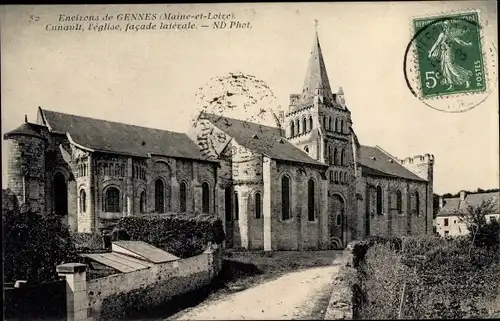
[[431, 79]]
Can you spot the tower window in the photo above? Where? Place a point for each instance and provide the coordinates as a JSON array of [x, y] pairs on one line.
[[228, 204], [306, 149], [341, 126], [112, 200], [379, 200], [337, 125], [310, 200], [342, 157], [292, 129], [417, 203], [236, 207], [304, 125], [258, 204], [310, 123], [399, 202], [183, 196], [159, 196], [205, 197], [142, 202], [285, 198], [335, 156], [83, 201], [330, 123]]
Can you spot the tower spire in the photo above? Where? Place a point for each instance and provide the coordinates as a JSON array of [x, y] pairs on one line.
[[316, 75]]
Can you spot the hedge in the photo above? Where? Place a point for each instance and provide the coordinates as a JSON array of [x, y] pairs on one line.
[[439, 277], [34, 244], [182, 234]]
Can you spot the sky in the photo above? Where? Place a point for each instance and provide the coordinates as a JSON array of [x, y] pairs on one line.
[[149, 78]]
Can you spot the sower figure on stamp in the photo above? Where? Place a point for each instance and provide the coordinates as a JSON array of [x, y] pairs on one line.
[[452, 73]]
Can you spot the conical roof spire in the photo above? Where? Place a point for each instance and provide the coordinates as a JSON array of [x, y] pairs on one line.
[[316, 76]]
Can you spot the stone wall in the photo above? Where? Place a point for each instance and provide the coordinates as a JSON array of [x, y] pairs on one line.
[[391, 222], [108, 296]]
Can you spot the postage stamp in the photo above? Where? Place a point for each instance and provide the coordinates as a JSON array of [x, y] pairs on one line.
[[450, 55], [449, 65]]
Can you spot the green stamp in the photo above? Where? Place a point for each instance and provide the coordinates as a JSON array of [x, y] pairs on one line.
[[449, 55]]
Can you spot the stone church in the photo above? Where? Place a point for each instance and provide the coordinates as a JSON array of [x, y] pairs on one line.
[[305, 184]]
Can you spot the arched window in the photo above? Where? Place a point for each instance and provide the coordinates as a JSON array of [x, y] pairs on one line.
[[159, 196], [336, 177], [345, 178], [310, 201], [342, 157], [292, 129], [337, 125], [339, 219], [142, 202], [306, 149], [205, 197], [329, 155], [228, 204], [417, 203], [83, 201], [310, 123], [304, 125], [60, 194], [330, 123], [285, 198], [324, 122], [379, 200], [297, 124], [236, 207], [112, 200], [399, 202], [258, 206], [331, 176], [335, 156], [341, 126], [183, 196]]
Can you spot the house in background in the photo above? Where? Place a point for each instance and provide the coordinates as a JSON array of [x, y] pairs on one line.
[[447, 220]]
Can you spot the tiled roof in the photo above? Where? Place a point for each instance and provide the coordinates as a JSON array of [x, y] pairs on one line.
[[25, 129], [454, 206], [144, 250], [376, 162], [262, 139], [114, 137]]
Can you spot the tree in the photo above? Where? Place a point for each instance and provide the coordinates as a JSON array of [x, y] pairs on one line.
[[34, 244], [481, 232]]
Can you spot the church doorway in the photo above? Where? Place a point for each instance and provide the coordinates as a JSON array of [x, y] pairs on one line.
[[337, 221], [60, 195]]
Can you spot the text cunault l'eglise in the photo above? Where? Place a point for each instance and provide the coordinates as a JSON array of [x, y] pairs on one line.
[[93, 20]]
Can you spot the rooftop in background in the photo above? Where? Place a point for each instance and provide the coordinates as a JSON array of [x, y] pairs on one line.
[[456, 205]]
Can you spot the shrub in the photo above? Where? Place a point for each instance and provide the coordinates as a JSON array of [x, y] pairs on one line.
[[183, 235], [34, 244], [441, 279], [88, 242]]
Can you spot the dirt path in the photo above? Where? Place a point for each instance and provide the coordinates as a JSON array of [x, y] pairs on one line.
[[296, 295]]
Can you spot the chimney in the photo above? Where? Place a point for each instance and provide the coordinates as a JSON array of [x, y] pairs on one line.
[[462, 195], [440, 202]]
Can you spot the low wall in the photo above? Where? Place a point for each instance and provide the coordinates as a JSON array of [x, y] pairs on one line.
[[116, 295], [340, 306]]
